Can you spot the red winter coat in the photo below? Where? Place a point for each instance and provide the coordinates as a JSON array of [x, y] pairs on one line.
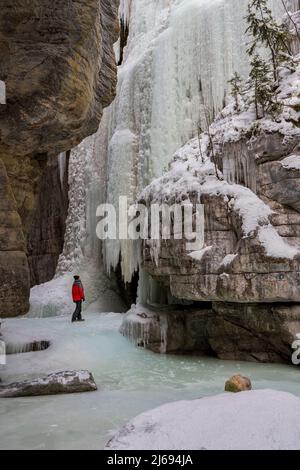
[[77, 291]]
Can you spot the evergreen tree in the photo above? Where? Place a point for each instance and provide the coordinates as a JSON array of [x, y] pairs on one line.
[[267, 32], [236, 89], [262, 85], [211, 142]]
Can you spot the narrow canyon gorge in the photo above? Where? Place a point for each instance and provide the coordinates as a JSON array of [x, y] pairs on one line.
[[165, 103]]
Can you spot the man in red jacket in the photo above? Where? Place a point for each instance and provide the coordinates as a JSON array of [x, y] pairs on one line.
[[78, 298]]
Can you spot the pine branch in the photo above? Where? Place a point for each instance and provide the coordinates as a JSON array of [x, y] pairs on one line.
[[291, 19], [269, 44]]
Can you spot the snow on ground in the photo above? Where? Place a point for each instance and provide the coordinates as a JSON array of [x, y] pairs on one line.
[[66, 350], [55, 297], [255, 420]]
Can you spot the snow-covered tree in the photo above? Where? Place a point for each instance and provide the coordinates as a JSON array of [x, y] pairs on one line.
[[266, 31], [262, 84], [236, 89]]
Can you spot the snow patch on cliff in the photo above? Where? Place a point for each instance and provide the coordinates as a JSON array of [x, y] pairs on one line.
[[228, 260], [291, 163], [198, 255], [274, 244], [192, 171]]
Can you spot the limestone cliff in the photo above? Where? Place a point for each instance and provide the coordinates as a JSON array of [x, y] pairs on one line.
[[58, 65]]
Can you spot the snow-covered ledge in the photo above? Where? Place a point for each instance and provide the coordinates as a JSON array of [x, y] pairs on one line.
[[254, 420]]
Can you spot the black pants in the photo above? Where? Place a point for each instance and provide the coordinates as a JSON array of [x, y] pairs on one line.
[[77, 314]]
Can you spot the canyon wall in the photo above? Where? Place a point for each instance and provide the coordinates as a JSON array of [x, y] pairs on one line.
[[58, 64]]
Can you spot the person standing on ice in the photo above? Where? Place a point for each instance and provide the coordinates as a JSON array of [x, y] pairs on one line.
[[78, 298]]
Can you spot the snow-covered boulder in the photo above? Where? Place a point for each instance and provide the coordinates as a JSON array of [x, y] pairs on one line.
[[53, 384], [254, 420]]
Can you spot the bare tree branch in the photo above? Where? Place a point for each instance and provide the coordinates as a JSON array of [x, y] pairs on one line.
[[291, 19]]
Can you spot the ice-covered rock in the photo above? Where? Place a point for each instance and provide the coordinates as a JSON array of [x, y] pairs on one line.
[[169, 329], [53, 384]]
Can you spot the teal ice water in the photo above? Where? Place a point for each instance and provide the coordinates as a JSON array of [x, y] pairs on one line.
[[130, 380]]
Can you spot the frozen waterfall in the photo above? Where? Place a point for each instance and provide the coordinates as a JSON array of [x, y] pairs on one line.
[[177, 62], [174, 49]]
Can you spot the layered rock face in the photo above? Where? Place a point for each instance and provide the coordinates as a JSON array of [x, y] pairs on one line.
[[249, 266], [53, 384], [14, 271], [58, 65], [254, 332], [234, 267], [46, 236]]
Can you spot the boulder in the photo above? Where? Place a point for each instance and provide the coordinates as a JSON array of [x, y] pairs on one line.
[[253, 332], [53, 384], [238, 383]]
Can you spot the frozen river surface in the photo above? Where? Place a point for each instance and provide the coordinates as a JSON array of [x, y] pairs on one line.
[[130, 381]]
